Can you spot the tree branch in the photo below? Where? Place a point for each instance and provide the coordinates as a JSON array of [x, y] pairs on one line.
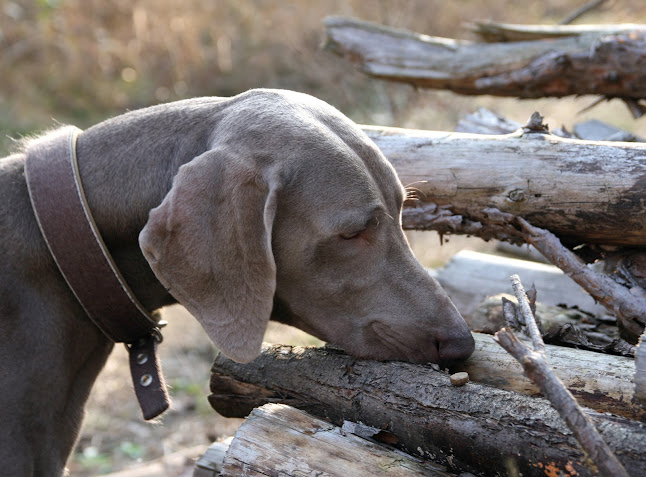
[[627, 304], [582, 10], [535, 365]]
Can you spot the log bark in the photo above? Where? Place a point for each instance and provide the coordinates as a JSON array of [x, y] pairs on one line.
[[264, 445], [584, 64], [474, 428], [582, 191]]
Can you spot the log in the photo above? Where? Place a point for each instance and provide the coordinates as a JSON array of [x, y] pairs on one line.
[[210, 463], [582, 191], [282, 441], [610, 65], [469, 277], [474, 428], [485, 121], [492, 32], [599, 381]]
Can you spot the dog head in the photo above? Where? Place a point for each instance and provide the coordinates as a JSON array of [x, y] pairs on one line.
[[293, 213]]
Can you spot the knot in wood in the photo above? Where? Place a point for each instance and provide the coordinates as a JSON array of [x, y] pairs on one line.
[[516, 195], [612, 77]]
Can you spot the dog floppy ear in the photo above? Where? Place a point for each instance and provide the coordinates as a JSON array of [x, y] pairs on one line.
[[209, 244]]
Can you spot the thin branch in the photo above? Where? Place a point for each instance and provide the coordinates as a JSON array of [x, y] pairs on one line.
[[628, 305], [537, 369], [581, 11], [640, 371], [526, 313], [635, 107]]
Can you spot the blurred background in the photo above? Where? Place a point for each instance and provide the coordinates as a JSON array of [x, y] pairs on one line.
[[82, 61]]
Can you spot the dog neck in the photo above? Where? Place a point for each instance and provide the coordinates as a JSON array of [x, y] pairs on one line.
[[127, 166]]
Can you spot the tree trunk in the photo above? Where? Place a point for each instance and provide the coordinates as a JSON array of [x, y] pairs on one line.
[[582, 191], [480, 429], [584, 64], [264, 445]]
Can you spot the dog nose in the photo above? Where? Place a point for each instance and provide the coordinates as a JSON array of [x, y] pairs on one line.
[[456, 348]]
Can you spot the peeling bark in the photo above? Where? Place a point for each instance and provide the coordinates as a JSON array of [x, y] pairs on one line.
[[265, 442]]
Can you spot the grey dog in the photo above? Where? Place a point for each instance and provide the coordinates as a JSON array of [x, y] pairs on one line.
[[267, 205]]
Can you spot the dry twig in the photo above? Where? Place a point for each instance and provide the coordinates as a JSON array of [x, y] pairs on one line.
[[537, 369], [628, 305], [640, 371], [581, 11]]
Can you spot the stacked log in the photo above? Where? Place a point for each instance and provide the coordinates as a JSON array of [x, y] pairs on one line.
[[476, 428]]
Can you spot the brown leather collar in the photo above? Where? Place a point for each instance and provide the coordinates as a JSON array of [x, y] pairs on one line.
[[67, 225]]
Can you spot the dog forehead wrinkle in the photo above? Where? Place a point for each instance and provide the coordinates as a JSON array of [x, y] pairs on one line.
[[357, 218]]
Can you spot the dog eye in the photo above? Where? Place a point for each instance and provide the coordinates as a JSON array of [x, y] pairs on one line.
[[351, 235]]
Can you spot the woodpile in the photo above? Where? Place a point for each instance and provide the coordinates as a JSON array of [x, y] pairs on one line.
[[478, 428], [577, 197]]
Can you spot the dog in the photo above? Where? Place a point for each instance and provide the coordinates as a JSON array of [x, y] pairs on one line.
[[266, 205]]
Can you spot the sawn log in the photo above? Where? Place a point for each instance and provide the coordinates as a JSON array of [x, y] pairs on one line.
[[480, 429]]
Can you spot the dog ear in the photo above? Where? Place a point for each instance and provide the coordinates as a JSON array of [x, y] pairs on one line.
[[209, 244]]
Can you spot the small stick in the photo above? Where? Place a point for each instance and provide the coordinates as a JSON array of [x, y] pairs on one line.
[[629, 306], [537, 369], [526, 313], [581, 11], [640, 371]]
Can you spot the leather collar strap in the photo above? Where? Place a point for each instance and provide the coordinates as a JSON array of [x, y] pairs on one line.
[[59, 202]]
